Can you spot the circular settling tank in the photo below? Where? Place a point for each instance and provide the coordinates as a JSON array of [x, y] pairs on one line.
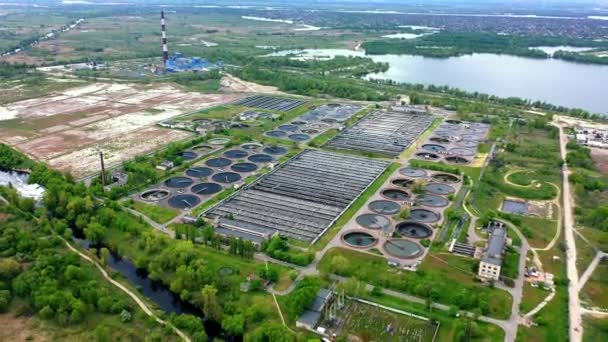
[[402, 182], [424, 215], [236, 154], [288, 128], [244, 167], [251, 146], [329, 120], [440, 140], [219, 141], [154, 195], [206, 188], [275, 150], [384, 207], [178, 182], [359, 239], [226, 177], [439, 188], [454, 122], [432, 201], [199, 172], [463, 152], [443, 134], [276, 134], [202, 148], [427, 155], [403, 249], [433, 147], [457, 160], [299, 137], [373, 221], [260, 158], [188, 155], [469, 137], [412, 172], [396, 194], [445, 178], [414, 230], [470, 144], [225, 271], [184, 201], [299, 122], [218, 162]]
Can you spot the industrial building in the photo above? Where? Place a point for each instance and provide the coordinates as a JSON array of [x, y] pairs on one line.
[[311, 317], [591, 136], [491, 260]]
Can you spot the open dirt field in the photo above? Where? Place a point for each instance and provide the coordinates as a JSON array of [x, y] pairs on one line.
[[67, 129], [235, 84], [600, 157]]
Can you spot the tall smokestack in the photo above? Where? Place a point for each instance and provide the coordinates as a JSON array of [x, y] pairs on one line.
[[163, 26], [103, 170]]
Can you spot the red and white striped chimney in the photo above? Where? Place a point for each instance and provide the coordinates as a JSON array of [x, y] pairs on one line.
[[163, 26]]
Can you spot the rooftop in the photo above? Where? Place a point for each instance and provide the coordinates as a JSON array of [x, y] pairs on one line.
[[496, 244]]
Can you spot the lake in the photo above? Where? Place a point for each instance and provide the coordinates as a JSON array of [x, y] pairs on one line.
[[550, 80]]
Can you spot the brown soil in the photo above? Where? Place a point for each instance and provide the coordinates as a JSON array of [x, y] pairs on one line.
[[18, 329], [600, 157]]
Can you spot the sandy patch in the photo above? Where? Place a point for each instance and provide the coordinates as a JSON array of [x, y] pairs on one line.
[[55, 129], [7, 114], [18, 329], [231, 83], [87, 120], [86, 161], [600, 157]]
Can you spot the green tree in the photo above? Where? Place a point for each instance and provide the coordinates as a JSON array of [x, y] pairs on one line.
[[234, 324], [211, 306]]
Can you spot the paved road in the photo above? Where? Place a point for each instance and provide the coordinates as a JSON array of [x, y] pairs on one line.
[[574, 305]]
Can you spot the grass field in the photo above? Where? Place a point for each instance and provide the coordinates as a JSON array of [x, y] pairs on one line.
[[595, 292], [446, 278], [532, 297], [595, 329], [156, 213]]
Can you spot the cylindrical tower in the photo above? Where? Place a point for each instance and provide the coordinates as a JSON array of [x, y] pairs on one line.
[[163, 26]]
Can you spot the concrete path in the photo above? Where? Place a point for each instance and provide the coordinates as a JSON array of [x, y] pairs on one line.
[[135, 298], [589, 271], [574, 306], [161, 228]]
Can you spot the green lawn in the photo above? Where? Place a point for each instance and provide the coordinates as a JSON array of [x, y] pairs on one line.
[[532, 297], [540, 230], [155, 212], [595, 292], [448, 279], [595, 329]]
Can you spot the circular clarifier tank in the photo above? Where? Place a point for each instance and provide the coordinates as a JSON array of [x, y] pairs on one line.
[[236, 154], [260, 158], [299, 122], [396, 194], [402, 182], [373, 221], [403, 249], [433, 147], [178, 182], [412, 172], [288, 128], [251, 146], [384, 207], [469, 137], [414, 230], [218, 162], [206, 188], [463, 152], [453, 122], [469, 144], [443, 134], [188, 155], [299, 137], [226, 177], [202, 148], [219, 141], [427, 155], [276, 134], [154, 195], [457, 160], [424, 215], [440, 140], [359, 239], [199, 172], [184, 201], [244, 167], [275, 150], [439, 188], [432, 201], [445, 178]]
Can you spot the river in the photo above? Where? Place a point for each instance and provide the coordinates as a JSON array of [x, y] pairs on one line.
[[550, 80]]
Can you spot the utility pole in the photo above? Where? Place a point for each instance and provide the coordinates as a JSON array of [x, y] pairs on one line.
[[103, 170]]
